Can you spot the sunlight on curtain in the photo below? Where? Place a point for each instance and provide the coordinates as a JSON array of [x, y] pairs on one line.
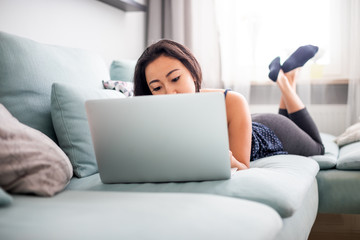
[[253, 32], [204, 41], [353, 106]]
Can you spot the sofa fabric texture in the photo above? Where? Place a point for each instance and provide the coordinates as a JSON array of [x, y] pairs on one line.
[[134, 216], [349, 157], [303, 218], [5, 198], [339, 191], [270, 181]]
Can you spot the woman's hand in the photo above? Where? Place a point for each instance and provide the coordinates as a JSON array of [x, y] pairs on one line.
[[235, 163]]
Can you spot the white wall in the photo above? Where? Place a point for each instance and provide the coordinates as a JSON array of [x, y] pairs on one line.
[[88, 24]]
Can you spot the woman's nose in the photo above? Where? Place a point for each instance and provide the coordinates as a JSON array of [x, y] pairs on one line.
[[170, 90]]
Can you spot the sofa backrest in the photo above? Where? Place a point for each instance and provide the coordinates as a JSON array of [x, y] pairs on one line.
[[29, 68]]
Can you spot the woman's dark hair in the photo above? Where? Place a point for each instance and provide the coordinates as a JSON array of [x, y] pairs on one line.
[[170, 49]]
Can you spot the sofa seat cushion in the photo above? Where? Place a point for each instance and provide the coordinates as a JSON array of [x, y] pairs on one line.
[[278, 181], [299, 225], [114, 215], [339, 191], [29, 68], [349, 157], [329, 159]]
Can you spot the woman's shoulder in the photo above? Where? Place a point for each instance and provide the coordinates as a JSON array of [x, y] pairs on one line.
[[232, 94], [212, 90]]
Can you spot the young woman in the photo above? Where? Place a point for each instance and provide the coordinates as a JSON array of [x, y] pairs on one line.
[[167, 67]]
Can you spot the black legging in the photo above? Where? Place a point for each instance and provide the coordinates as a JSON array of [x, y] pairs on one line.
[[297, 131]]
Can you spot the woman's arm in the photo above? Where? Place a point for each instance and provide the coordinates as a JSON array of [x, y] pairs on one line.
[[239, 128], [236, 164]]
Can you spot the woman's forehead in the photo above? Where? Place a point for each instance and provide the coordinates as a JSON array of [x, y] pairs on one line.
[[162, 66]]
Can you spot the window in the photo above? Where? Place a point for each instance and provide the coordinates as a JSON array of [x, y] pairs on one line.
[[253, 32]]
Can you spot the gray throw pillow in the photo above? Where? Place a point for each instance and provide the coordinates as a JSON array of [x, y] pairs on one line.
[[30, 162], [351, 134]]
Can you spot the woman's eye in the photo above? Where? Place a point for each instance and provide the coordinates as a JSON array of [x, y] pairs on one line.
[[175, 79], [156, 89]]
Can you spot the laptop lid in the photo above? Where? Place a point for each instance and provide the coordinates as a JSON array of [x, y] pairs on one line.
[[164, 138]]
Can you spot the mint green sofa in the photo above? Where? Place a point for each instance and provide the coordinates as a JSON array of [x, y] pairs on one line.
[[45, 86], [339, 178]]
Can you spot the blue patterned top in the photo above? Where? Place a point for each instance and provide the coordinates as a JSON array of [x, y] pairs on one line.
[[264, 142]]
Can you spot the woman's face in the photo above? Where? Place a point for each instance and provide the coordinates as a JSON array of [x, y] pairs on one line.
[[166, 75]]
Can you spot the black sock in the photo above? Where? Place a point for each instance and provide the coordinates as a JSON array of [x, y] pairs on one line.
[[299, 57], [274, 69]]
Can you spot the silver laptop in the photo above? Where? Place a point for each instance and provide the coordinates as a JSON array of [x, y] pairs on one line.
[[166, 138]]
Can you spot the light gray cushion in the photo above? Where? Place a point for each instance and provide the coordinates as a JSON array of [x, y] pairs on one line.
[[351, 134], [5, 199], [122, 70], [329, 159], [280, 182], [28, 69], [30, 162], [349, 157], [137, 216], [71, 125]]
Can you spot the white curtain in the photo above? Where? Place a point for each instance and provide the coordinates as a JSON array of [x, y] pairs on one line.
[[353, 105], [237, 37], [252, 33], [192, 23]]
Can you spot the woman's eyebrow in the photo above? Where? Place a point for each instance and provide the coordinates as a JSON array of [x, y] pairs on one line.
[[156, 80], [171, 72], [153, 81]]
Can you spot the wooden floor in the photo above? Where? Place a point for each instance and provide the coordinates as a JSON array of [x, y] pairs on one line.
[[336, 226]]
